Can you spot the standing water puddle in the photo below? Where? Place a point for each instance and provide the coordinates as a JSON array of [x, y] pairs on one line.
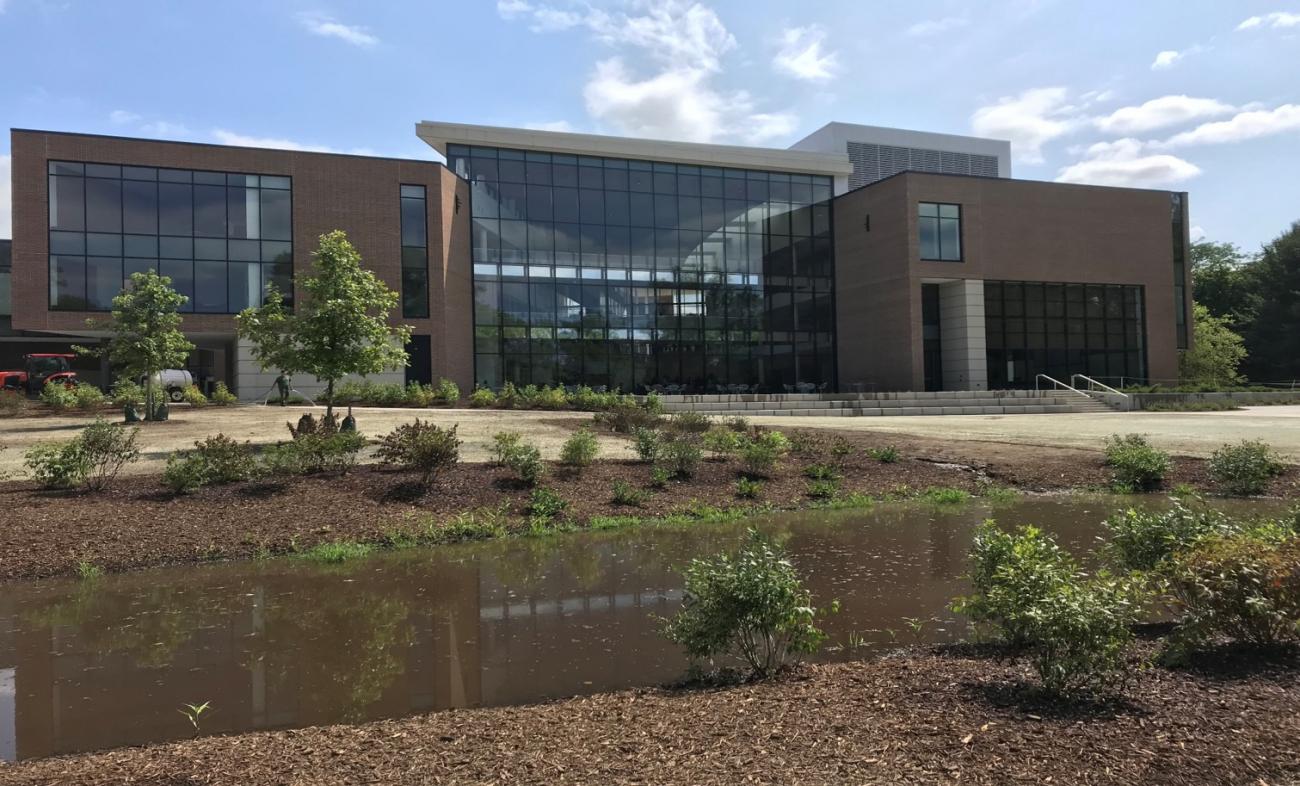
[[285, 643]]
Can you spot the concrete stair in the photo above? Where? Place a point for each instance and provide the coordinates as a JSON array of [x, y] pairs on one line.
[[964, 402]]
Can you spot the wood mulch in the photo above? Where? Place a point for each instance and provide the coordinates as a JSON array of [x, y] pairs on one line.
[[942, 716], [137, 523]]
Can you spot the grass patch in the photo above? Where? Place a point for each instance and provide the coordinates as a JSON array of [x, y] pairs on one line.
[[999, 494], [943, 495], [88, 570], [1190, 406], [337, 552], [855, 500]]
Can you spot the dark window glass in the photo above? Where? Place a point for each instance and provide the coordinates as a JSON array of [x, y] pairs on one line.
[[210, 287], [104, 245], [140, 246], [280, 276], [276, 215], [68, 283], [414, 225], [175, 209], [243, 213], [67, 203], [244, 286], [182, 276], [940, 231], [140, 207], [103, 205], [210, 211], [103, 281]]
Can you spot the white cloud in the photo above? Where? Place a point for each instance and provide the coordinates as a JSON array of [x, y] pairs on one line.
[[802, 57], [1160, 113], [553, 125], [225, 137], [1030, 120], [936, 26], [1276, 19], [1251, 124], [660, 82], [122, 117], [1197, 234], [1126, 162], [6, 196], [1166, 59], [164, 128], [326, 26]]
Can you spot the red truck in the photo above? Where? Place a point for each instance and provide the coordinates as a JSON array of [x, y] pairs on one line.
[[39, 369]]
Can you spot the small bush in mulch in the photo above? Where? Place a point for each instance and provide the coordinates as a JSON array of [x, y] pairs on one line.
[[421, 446], [751, 604], [1246, 468], [580, 449], [92, 459], [1135, 464]]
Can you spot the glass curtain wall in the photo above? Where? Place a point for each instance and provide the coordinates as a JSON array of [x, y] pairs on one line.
[[1034, 328], [221, 237], [643, 275]]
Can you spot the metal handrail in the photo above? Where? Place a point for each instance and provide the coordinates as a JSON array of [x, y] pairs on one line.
[[1056, 383], [1094, 383]]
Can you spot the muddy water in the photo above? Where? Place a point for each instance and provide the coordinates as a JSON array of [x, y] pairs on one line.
[[284, 643]]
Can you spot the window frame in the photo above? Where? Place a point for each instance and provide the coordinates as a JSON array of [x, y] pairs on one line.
[[939, 218]]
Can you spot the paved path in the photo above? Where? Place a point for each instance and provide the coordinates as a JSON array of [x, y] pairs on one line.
[[1184, 433]]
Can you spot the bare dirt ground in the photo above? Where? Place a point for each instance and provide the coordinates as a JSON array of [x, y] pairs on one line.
[[943, 717]]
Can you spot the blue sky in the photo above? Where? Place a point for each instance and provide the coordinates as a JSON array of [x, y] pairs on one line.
[[1196, 96]]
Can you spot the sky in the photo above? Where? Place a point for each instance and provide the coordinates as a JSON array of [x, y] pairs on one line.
[[1194, 95]]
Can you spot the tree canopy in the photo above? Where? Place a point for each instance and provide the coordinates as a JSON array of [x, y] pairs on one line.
[[1216, 353], [340, 327]]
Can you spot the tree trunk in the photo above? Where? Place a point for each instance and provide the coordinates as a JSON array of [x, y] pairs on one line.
[[329, 399], [148, 397]]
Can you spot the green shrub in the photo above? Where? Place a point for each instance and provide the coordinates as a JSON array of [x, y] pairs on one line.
[[227, 461], [751, 604], [627, 494], [821, 472], [448, 392], [57, 465], [420, 446], [1144, 539], [418, 395], [944, 495], [1246, 468], [1135, 464], [222, 397], [314, 453], [690, 423], [841, 449], [57, 396], [508, 398], [680, 455], [482, 397], [550, 398], [107, 448], [1077, 630], [337, 552], [886, 455], [803, 443], [748, 488], [737, 423], [722, 442], [12, 402], [1244, 586], [626, 415], [126, 391], [823, 488], [193, 396], [185, 472], [88, 397], [525, 461], [646, 442], [504, 443], [545, 506], [580, 449], [760, 453], [659, 476]]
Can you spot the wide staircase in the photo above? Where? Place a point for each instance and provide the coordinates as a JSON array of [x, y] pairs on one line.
[[947, 402]]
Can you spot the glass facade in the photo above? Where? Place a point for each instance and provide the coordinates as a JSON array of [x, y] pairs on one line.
[[1062, 329], [1180, 268], [640, 275], [221, 237], [415, 253]]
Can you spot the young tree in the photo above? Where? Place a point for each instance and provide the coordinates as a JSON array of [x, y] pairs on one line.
[[145, 327], [340, 328], [1273, 336], [1215, 354], [1221, 281]]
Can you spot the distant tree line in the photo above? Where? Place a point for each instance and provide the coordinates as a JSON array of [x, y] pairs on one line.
[[1256, 296]]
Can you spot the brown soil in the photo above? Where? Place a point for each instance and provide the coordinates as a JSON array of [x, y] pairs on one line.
[[137, 523], [928, 717]]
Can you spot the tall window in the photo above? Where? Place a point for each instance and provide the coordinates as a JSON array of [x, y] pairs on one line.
[[635, 274], [940, 230], [221, 237], [415, 253], [1180, 268]]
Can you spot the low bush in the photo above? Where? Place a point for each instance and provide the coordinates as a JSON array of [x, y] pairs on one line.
[[751, 604], [185, 472], [448, 392], [748, 488], [1145, 539], [821, 472], [1245, 468], [57, 396], [760, 453], [1135, 464], [222, 397], [504, 443], [737, 423], [944, 495], [802, 443], [690, 423], [544, 507], [626, 415], [824, 488], [841, 449], [12, 402], [659, 476], [313, 453], [418, 395], [1244, 586], [627, 494], [580, 449], [680, 456], [1076, 629], [127, 391], [722, 442], [646, 442], [57, 465], [88, 397], [886, 455], [227, 461], [421, 446], [193, 396], [482, 397], [525, 461]]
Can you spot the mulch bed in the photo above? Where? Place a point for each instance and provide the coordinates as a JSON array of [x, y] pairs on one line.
[[942, 716], [138, 523]]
